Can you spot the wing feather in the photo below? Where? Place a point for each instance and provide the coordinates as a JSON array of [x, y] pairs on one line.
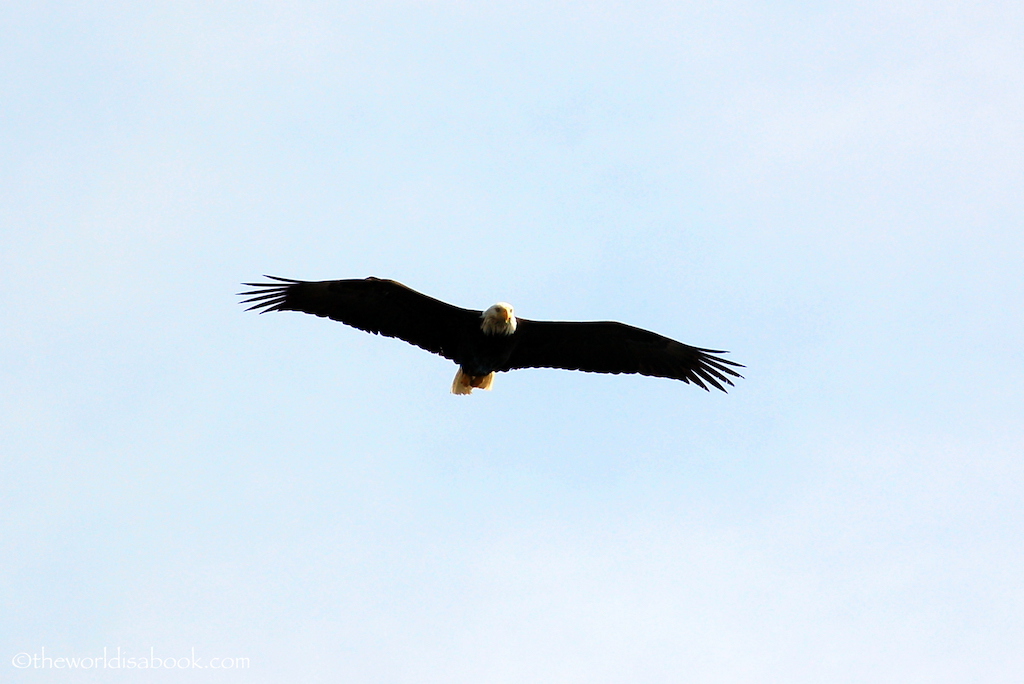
[[610, 347], [384, 307]]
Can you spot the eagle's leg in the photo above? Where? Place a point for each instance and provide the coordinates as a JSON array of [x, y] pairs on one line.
[[465, 384]]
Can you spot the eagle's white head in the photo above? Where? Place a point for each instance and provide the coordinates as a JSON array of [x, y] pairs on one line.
[[500, 319]]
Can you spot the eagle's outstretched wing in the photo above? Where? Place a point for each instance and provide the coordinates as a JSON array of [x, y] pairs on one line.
[[609, 347], [378, 306]]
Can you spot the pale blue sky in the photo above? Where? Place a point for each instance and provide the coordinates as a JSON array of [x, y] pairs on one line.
[[831, 191]]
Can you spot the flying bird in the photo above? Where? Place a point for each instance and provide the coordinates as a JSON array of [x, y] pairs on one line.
[[483, 343]]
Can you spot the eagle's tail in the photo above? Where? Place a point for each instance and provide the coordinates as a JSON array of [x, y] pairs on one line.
[[465, 384]]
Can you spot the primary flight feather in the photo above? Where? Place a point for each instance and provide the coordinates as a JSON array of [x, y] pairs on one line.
[[483, 343]]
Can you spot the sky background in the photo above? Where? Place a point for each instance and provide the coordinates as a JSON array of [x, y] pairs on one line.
[[831, 191]]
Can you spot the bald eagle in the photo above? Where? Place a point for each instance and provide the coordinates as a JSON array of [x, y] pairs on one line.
[[485, 342]]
